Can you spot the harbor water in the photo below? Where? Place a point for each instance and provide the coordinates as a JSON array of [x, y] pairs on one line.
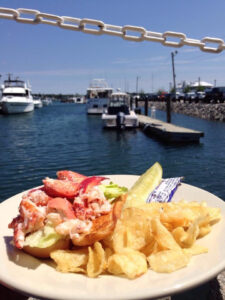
[[61, 136]]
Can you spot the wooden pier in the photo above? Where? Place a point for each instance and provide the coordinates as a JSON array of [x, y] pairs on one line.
[[168, 132]]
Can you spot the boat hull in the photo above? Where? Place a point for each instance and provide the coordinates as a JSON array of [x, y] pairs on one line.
[[17, 107], [110, 121], [38, 104]]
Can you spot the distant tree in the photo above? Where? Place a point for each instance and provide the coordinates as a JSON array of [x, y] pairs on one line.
[[187, 89], [200, 88]]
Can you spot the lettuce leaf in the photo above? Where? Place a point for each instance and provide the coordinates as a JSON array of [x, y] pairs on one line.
[[42, 238], [112, 190]]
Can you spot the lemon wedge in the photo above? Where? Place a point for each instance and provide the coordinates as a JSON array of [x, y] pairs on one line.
[[146, 183]]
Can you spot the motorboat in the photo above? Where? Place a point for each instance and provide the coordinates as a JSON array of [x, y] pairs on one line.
[[118, 114], [97, 96], [16, 97], [77, 99], [47, 101], [37, 103]]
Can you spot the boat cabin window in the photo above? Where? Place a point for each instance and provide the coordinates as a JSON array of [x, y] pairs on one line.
[[115, 110], [98, 94], [104, 94], [118, 106], [14, 83], [14, 94], [118, 98]]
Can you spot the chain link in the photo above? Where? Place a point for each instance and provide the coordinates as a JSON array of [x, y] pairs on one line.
[[97, 27], [98, 24], [69, 26], [25, 11]]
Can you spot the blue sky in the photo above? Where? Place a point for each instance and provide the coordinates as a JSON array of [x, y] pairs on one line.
[[61, 61]]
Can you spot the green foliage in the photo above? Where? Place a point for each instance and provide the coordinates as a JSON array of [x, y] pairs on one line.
[[200, 88], [187, 89]]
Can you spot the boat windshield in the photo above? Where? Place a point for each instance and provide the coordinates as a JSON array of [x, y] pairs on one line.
[[117, 106], [117, 102], [91, 93], [14, 83]]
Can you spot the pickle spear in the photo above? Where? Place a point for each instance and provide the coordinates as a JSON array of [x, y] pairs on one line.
[[146, 183]]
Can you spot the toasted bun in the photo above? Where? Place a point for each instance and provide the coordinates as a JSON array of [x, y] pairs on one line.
[[102, 226], [45, 252]]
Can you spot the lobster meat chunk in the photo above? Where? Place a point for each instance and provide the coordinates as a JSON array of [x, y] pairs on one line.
[[61, 188], [62, 206], [71, 176]]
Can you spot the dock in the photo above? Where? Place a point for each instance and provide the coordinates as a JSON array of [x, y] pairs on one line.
[[168, 132]]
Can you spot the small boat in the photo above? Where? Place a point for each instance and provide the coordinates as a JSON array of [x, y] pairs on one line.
[[77, 99], [118, 113], [37, 103], [16, 97], [46, 101], [97, 97]]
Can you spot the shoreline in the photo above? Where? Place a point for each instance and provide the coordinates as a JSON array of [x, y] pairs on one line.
[[207, 111]]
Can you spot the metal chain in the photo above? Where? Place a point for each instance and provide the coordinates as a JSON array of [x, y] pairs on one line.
[[97, 27]]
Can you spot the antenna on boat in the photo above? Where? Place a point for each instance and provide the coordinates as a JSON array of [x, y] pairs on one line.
[[9, 76]]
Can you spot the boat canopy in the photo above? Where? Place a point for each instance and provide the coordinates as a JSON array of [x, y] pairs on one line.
[[119, 96], [14, 83]]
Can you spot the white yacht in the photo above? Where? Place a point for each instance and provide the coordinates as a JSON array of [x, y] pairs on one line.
[[37, 103], [16, 97], [97, 96], [118, 113]]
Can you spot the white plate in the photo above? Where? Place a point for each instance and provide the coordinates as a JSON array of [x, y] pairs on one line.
[[34, 277]]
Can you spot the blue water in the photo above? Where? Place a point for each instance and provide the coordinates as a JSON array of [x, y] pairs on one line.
[[62, 136]]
